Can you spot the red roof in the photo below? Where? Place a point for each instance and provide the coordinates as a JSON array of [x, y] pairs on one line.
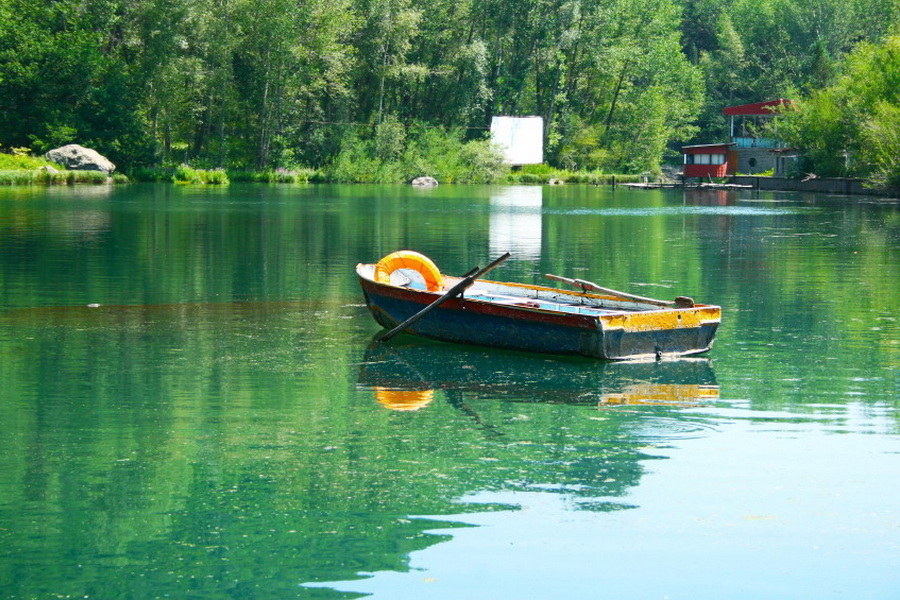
[[757, 108]]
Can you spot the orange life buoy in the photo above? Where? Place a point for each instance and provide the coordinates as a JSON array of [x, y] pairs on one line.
[[408, 259]]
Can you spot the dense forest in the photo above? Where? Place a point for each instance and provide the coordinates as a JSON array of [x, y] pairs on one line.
[[284, 83]]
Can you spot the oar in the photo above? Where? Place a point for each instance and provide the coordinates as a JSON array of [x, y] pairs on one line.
[[457, 289], [680, 301]]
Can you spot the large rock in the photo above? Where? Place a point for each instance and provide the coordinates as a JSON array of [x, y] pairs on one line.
[[79, 158], [425, 181]]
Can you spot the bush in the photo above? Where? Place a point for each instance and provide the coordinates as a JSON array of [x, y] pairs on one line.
[[94, 177], [542, 174], [153, 174], [19, 160], [398, 154], [60, 177], [185, 174], [881, 146], [279, 175], [16, 177]]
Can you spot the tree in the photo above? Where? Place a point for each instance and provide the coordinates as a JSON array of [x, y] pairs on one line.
[[846, 129]]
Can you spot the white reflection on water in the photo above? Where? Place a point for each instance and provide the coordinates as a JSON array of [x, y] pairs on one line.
[[750, 512], [515, 224]]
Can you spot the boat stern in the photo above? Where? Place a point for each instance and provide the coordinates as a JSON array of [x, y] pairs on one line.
[[659, 333]]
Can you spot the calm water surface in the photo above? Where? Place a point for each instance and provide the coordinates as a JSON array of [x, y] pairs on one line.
[[191, 405]]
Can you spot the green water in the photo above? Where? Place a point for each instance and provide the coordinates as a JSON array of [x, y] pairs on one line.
[[191, 405]]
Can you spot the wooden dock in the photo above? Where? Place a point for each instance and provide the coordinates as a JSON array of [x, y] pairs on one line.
[[700, 186]]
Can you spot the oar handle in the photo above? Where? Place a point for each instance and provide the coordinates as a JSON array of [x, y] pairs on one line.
[[457, 289], [680, 302]]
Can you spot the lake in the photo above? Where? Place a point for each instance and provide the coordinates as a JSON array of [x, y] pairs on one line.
[[192, 405]]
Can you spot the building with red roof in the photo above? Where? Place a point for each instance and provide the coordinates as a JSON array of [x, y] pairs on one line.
[[749, 151]]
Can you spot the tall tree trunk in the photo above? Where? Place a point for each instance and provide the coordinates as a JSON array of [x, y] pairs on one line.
[[615, 98], [263, 148]]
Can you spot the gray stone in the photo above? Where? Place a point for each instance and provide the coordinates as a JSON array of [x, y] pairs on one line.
[[425, 181], [79, 158], [49, 169]]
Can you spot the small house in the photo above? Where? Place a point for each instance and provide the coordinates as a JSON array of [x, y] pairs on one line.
[[754, 151], [707, 160], [749, 151]]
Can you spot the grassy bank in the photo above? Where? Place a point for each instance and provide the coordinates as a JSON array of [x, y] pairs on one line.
[[544, 174], [530, 175], [445, 157], [19, 169], [12, 177]]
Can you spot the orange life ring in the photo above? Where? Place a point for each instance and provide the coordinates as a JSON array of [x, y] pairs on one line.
[[408, 259]]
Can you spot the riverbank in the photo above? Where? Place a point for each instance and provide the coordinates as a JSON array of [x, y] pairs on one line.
[[820, 185], [533, 174], [184, 174], [18, 169]]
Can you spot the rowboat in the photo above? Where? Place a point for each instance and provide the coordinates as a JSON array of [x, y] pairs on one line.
[[405, 290]]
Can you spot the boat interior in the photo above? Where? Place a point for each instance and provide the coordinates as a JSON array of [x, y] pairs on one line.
[[520, 295]]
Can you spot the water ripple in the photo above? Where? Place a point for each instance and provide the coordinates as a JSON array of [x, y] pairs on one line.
[[662, 429]]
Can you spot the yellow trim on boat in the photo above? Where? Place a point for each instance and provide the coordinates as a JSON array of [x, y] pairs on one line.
[[656, 320]]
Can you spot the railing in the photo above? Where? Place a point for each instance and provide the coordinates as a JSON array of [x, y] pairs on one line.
[[756, 142]]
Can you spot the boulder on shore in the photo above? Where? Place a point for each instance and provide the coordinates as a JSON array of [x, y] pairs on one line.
[[79, 158], [425, 181]]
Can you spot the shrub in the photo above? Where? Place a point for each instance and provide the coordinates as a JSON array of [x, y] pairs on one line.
[[215, 177], [45, 177], [17, 160], [94, 177], [153, 174], [397, 154], [542, 174], [185, 174], [279, 175], [16, 177]]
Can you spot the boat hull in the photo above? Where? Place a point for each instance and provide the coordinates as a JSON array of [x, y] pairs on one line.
[[675, 332]]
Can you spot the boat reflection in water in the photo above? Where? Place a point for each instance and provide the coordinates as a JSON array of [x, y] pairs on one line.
[[405, 375], [403, 400]]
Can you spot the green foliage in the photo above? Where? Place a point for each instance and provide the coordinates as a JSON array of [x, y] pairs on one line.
[[766, 49], [279, 175], [8, 177], [850, 128], [252, 86], [19, 160], [880, 145], [186, 174], [395, 154], [20, 168], [152, 174], [45, 177], [543, 174]]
